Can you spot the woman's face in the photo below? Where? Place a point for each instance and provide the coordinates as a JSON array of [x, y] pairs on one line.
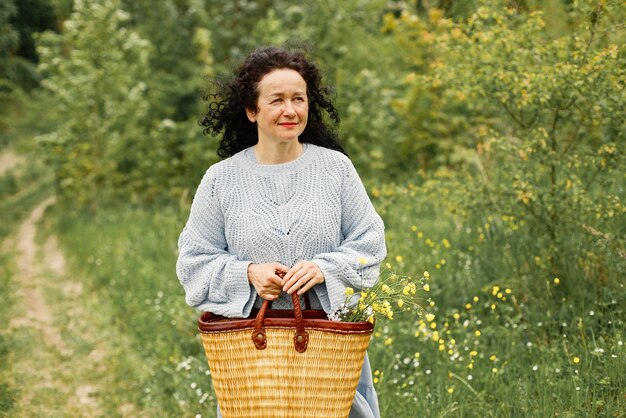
[[282, 107]]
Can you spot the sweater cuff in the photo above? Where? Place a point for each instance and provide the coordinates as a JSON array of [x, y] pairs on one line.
[[239, 291], [333, 291]]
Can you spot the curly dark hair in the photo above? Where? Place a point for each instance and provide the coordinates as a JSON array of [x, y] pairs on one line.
[[227, 103]]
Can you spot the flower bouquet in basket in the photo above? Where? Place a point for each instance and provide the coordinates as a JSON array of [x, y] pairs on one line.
[[391, 293]]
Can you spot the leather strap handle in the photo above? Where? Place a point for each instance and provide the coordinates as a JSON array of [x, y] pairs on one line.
[[300, 338]]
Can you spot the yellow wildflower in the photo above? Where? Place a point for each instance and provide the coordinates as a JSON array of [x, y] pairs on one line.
[[477, 333], [388, 341], [400, 303], [349, 291], [426, 288], [426, 275], [362, 261], [576, 360], [430, 317], [399, 258], [557, 280]]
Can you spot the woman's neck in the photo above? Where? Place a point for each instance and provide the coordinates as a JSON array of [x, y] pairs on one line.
[[277, 153]]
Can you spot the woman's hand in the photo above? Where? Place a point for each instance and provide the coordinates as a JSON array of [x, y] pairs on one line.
[[267, 279], [302, 276]]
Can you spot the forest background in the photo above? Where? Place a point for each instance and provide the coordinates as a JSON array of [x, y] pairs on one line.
[[490, 137]]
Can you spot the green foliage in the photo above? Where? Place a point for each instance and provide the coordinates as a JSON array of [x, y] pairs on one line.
[[111, 147], [18, 22], [551, 111], [176, 30], [9, 37], [92, 151]]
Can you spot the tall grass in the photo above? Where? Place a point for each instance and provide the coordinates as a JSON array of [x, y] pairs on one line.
[[128, 258], [494, 349]]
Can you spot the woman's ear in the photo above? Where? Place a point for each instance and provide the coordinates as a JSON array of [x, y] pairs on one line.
[[251, 115]]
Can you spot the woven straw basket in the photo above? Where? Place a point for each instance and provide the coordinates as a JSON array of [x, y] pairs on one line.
[[284, 363]]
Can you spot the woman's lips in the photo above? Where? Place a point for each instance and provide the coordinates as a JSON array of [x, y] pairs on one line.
[[288, 124]]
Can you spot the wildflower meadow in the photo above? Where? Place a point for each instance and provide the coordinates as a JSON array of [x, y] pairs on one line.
[[489, 136]]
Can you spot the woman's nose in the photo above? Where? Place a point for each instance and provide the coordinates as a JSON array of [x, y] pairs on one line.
[[288, 108]]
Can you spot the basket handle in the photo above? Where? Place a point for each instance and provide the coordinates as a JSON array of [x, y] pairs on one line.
[[300, 338]]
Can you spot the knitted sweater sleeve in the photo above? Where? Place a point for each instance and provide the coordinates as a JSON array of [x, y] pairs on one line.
[[214, 279], [356, 262]]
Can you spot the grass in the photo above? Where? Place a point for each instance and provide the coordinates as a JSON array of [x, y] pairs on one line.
[[493, 349], [508, 338], [129, 257], [8, 391]]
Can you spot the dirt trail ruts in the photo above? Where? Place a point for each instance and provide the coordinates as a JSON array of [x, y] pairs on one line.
[[37, 313], [9, 160], [49, 300]]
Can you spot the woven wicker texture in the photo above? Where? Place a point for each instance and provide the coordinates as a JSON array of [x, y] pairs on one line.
[[280, 382]]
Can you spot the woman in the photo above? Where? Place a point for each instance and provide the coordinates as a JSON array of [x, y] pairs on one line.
[[285, 211]]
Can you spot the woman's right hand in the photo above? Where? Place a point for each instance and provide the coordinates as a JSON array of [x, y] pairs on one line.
[[267, 279]]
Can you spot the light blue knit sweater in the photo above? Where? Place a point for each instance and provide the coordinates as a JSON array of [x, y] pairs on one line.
[[313, 208]]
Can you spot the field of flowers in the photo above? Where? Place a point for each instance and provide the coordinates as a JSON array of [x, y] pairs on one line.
[[491, 348]]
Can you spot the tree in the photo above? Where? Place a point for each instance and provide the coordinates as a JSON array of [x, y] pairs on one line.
[[96, 70], [547, 155]]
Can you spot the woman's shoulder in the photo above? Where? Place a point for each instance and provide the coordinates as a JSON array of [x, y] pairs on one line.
[[226, 165], [331, 157], [221, 174], [334, 162]]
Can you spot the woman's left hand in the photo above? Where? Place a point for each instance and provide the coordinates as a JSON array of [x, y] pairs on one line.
[[301, 277]]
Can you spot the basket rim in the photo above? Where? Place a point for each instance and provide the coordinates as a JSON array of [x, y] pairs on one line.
[[281, 318]]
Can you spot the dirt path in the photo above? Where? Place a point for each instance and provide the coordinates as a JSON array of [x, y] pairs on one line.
[[9, 160], [58, 360]]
